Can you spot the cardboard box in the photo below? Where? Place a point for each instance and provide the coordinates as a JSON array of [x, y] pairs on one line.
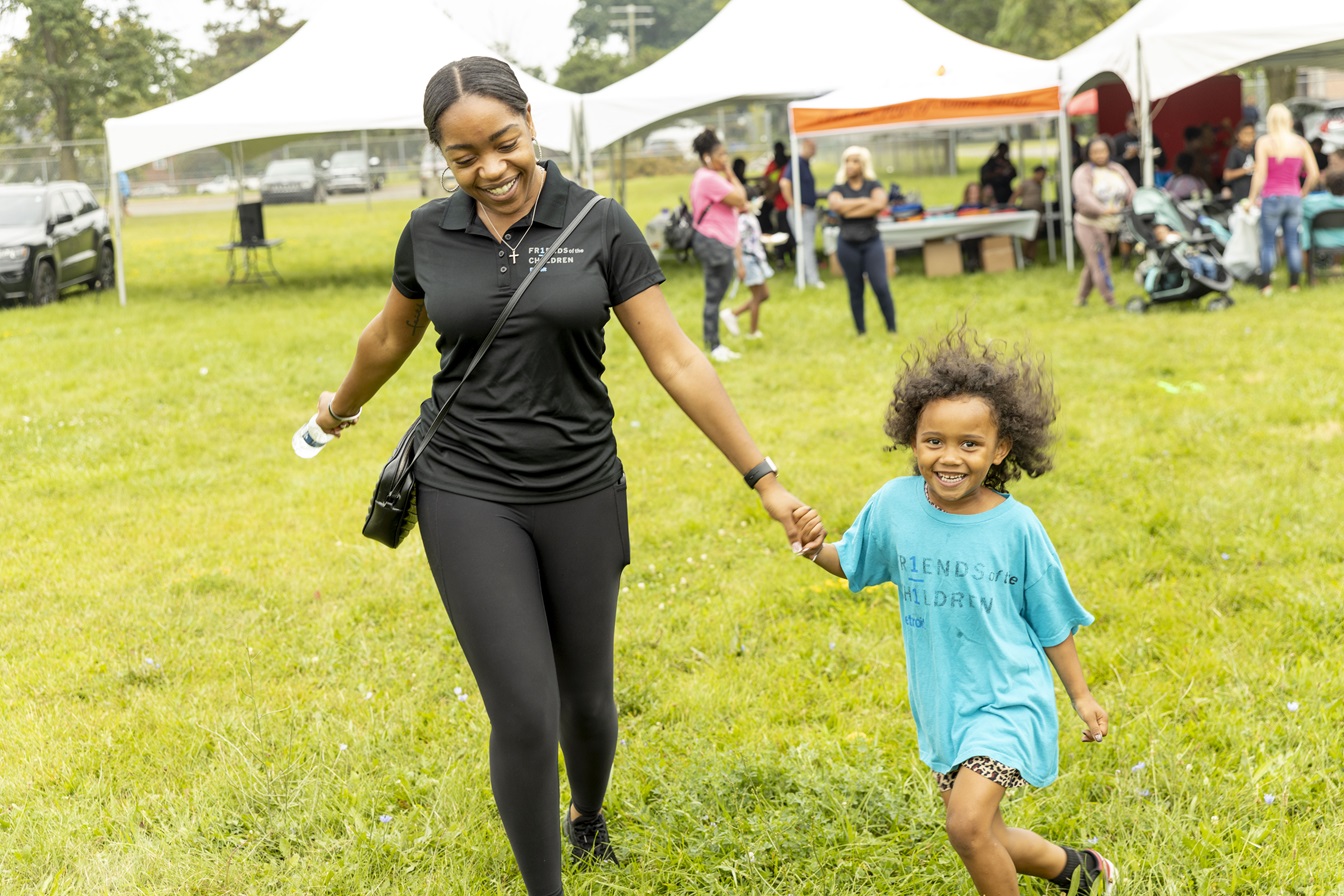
[[942, 258], [996, 254]]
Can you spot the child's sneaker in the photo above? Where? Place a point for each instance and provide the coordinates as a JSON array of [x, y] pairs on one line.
[[1105, 876], [754, 334], [588, 839], [730, 321]]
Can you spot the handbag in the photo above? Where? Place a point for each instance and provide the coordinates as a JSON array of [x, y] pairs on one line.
[[392, 515]]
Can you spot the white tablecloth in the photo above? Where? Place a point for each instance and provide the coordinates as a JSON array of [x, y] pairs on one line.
[[913, 234]]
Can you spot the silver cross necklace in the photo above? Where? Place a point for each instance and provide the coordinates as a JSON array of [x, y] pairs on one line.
[[513, 249]]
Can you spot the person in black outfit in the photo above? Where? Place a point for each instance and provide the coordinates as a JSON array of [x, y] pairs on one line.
[[856, 199], [521, 496], [997, 174]]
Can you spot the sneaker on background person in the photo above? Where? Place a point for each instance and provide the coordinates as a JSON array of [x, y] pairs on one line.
[[723, 354], [730, 321]]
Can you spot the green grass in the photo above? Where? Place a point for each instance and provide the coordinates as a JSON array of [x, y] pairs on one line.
[[211, 684]]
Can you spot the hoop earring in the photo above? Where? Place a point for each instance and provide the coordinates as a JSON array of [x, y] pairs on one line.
[[536, 150], [447, 189]]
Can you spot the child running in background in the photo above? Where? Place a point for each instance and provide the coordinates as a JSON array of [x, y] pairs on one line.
[[984, 600], [754, 272]]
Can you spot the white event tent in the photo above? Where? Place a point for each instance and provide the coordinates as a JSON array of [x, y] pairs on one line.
[[1160, 47], [344, 70]]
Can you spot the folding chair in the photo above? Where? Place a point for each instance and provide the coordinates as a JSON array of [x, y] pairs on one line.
[[1327, 222]]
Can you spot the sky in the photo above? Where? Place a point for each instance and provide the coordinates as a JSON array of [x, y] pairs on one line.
[[536, 31]]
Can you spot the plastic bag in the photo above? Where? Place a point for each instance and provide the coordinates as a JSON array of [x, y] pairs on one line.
[[1242, 255]]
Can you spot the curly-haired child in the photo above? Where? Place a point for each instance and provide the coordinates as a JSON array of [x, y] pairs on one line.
[[983, 596]]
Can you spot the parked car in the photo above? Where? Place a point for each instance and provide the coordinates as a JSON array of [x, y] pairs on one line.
[[154, 189], [52, 236], [1328, 124], [348, 170], [433, 178], [218, 186], [293, 180]]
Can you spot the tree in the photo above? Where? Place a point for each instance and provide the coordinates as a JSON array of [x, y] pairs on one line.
[[238, 44], [76, 67], [589, 68], [1048, 28], [673, 21]]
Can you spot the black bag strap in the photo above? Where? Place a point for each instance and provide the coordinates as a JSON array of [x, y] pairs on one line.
[[700, 220], [499, 324]]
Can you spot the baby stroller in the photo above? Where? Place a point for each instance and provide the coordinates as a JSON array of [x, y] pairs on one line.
[[1183, 271]]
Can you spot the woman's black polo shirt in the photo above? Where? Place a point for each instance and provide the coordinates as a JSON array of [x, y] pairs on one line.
[[533, 423]]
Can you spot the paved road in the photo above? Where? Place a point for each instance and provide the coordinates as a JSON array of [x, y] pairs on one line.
[[188, 203]]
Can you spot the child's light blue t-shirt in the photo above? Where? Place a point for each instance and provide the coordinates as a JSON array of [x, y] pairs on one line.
[[981, 595]]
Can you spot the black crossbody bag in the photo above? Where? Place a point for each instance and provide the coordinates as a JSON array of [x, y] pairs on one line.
[[392, 514]]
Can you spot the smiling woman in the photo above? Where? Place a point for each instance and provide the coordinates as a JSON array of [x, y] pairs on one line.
[[521, 496]]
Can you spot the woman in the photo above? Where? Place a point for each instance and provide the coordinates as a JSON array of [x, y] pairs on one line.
[[1184, 183], [1101, 190], [521, 496], [1281, 157], [856, 198], [716, 198], [997, 174]]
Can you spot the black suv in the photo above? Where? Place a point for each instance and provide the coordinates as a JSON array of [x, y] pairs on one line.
[[52, 236]]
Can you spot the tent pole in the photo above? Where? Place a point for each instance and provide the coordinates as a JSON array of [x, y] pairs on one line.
[[238, 168], [796, 210], [368, 171], [1145, 109], [114, 194], [1065, 168], [1049, 217]]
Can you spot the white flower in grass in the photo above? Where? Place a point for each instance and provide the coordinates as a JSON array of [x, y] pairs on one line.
[[368, 695], [384, 819], [1140, 767], [204, 371], [1145, 792], [1269, 799], [1292, 706], [341, 748]]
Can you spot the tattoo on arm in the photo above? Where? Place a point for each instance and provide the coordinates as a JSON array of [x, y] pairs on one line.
[[416, 323]]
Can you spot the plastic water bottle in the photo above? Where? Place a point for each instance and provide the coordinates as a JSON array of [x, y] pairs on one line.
[[310, 439]]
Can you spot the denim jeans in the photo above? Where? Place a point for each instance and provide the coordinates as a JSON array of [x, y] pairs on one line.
[[1281, 211]]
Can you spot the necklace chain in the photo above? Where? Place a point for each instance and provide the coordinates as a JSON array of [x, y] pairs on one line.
[[513, 249], [928, 497]]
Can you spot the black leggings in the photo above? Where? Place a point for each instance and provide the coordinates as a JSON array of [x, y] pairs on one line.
[[531, 592], [857, 259]]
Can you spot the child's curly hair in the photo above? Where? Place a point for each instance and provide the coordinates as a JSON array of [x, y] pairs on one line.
[[1015, 383]]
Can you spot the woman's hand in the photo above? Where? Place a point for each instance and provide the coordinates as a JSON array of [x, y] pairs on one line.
[[330, 425], [780, 504]]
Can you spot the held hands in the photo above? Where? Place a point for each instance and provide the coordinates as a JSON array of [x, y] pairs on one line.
[[1094, 717], [783, 507], [810, 530]]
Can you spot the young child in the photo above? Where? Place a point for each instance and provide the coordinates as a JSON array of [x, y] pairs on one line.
[[984, 600], [754, 272], [1201, 263]]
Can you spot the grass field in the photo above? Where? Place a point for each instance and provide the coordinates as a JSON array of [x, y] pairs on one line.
[[211, 684]]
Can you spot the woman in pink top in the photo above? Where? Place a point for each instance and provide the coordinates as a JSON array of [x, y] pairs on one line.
[[716, 197], [1281, 157]]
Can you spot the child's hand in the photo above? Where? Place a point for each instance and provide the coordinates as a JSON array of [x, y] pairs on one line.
[[1094, 717], [810, 527]]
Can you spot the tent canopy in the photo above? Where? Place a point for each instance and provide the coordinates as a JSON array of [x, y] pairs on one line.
[[939, 78], [344, 70], [1175, 45], [712, 67]]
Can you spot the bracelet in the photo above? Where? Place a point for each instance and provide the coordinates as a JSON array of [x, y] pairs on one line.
[[339, 419]]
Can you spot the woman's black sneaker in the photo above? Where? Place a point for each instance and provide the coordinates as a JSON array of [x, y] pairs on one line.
[[588, 840]]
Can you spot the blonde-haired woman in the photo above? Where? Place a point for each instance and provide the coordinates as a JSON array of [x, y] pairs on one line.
[[857, 197], [1281, 159]]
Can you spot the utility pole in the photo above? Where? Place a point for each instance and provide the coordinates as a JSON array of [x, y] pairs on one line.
[[633, 15]]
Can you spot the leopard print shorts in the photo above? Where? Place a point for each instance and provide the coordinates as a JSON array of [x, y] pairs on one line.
[[1003, 775]]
